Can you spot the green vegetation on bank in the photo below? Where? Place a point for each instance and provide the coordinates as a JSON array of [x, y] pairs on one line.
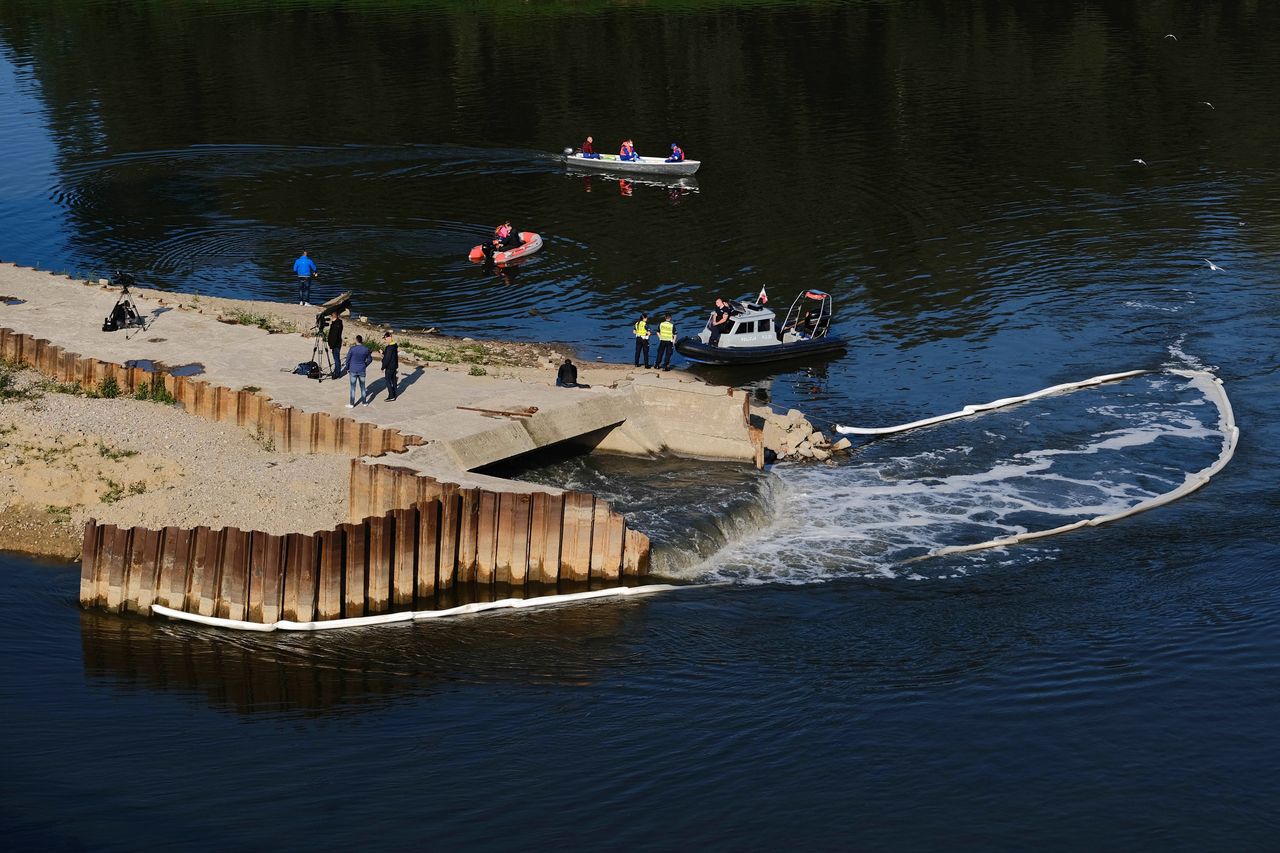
[[271, 324], [13, 390], [462, 354]]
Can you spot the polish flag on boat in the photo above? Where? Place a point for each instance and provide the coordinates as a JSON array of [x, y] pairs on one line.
[[763, 298]]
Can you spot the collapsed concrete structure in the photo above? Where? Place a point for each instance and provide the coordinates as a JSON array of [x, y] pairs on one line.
[[444, 429]]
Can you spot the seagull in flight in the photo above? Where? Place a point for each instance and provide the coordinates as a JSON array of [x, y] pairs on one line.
[[1171, 36], [1139, 161], [1207, 104], [1212, 265]]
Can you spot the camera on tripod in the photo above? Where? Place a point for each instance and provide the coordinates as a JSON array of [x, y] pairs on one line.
[[321, 363], [125, 314]]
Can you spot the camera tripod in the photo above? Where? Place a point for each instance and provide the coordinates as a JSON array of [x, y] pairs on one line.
[[125, 314], [322, 356]]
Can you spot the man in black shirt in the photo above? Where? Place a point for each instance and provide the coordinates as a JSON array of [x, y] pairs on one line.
[[720, 322], [335, 344], [390, 364]]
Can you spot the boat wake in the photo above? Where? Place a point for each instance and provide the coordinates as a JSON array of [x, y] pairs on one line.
[[1072, 459]]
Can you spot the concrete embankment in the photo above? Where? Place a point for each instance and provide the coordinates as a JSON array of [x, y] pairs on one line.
[[488, 533], [469, 420]]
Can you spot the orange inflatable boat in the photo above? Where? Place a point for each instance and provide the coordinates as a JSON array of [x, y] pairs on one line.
[[531, 243]]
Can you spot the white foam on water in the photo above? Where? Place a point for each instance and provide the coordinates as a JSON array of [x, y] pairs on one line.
[[1033, 467], [1183, 359], [1171, 309]]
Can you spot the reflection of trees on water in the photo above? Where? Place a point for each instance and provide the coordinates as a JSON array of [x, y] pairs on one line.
[[908, 148], [345, 669]]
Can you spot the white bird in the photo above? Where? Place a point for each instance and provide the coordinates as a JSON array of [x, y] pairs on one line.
[[1207, 104], [1171, 36], [1212, 265], [1139, 161]]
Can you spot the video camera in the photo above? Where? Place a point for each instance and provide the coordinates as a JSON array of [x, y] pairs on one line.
[[331, 309], [124, 314], [321, 363]]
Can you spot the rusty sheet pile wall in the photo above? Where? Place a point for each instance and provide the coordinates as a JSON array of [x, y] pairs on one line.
[[464, 545], [292, 430], [511, 537], [412, 540]]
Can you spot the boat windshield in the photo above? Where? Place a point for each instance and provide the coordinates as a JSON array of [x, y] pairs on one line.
[[810, 315]]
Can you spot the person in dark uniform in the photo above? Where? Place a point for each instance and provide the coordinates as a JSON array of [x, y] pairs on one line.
[[720, 322], [335, 344], [641, 330], [666, 343], [390, 364]]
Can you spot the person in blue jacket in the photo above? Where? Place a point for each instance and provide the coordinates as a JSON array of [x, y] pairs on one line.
[[305, 269], [677, 154], [358, 360]]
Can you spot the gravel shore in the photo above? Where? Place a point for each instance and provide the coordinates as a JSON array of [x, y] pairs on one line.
[[66, 458]]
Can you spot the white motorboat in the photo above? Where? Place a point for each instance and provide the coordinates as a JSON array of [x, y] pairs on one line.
[[642, 165]]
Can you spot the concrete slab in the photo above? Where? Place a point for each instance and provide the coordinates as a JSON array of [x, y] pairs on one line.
[[647, 412]]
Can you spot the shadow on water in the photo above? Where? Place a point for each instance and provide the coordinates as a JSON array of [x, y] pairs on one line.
[[792, 380], [317, 673]]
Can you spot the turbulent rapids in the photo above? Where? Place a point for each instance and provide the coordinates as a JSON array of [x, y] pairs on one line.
[[987, 476], [1010, 474]]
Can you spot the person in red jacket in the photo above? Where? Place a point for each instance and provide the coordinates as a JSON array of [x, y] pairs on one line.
[[589, 150]]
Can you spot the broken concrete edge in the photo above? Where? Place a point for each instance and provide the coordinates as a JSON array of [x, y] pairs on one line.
[[791, 436]]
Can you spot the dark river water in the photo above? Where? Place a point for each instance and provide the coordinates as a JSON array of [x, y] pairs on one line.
[[964, 178]]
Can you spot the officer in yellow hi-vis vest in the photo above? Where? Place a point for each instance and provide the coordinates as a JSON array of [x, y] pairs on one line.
[[642, 339], [666, 344]]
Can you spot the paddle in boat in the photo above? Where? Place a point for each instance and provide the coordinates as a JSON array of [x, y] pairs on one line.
[[529, 243], [752, 334], [642, 166]]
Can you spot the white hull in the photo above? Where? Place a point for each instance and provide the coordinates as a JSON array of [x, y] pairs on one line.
[[643, 166]]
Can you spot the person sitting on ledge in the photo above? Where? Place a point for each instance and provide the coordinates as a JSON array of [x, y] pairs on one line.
[[720, 322], [567, 376]]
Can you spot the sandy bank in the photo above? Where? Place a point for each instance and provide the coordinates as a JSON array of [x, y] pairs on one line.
[[65, 458]]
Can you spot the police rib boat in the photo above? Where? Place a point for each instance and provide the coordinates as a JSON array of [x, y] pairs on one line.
[[752, 334]]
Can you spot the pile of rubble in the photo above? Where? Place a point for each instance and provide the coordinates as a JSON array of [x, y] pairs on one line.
[[791, 436]]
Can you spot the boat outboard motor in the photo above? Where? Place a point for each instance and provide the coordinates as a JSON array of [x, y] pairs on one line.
[[486, 249], [568, 152]]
